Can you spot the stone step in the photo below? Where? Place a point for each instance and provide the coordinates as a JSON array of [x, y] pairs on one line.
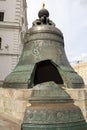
[[8, 123]]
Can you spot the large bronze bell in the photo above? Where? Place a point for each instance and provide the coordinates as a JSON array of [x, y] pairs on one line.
[[43, 58], [43, 66]]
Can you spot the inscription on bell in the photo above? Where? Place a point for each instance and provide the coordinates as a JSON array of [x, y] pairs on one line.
[[43, 42]]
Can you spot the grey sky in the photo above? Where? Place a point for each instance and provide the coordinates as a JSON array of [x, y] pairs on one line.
[[70, 16]]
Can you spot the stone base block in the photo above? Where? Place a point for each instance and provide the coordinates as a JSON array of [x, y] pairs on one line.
[[13, 102], [80, 99]]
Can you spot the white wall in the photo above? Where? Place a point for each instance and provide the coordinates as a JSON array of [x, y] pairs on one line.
[[9, 52], [5, 66], [8, 7], [10, 32]]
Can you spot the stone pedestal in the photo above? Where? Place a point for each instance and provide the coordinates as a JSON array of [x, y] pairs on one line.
[[80, 99], [13, 102]]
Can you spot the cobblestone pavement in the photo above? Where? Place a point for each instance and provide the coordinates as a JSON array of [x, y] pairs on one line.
[[7, 124]]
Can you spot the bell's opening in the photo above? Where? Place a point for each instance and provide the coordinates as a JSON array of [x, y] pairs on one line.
[[46, 71]]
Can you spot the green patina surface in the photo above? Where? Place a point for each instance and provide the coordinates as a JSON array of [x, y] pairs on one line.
[[52, 109], [42, 42]]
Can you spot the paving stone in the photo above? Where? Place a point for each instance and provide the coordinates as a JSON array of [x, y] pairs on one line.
[[8, 124]]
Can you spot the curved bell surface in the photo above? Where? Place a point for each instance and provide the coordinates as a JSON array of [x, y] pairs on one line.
[[52, 109], [43, 45]]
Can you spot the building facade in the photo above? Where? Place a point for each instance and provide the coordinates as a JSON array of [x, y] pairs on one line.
[[13, 25], [81, 69]]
